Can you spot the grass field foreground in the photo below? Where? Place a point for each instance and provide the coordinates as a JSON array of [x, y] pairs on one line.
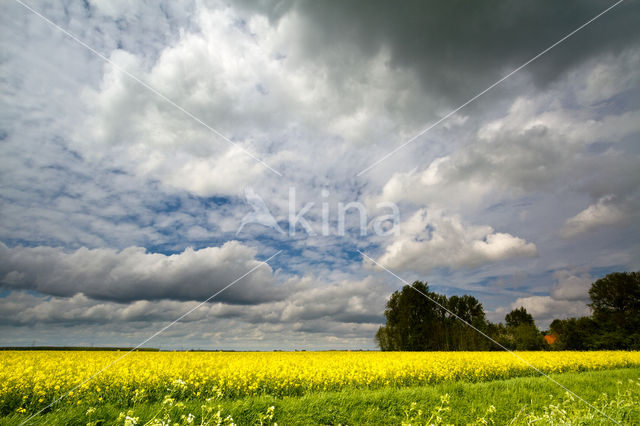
[[517, 401]]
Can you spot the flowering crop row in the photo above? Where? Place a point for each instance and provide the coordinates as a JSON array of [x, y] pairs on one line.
[[31, 380]]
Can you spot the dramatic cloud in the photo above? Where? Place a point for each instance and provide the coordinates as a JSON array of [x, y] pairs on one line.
[[538, 144], [429, 239], [568, 298], [119, 211], [135, 274], [233, 75], [487, 38], [338, 314], [306, 300]]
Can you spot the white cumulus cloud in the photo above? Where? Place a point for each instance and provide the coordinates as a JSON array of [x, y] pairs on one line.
[[602, 213], [430, 239]]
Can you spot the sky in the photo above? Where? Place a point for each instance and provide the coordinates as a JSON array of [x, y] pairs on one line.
[[278, 168]]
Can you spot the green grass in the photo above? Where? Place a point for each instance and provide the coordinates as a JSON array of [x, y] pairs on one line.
[[468, 402]]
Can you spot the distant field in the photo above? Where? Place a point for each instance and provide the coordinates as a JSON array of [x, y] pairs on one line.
[[30, 380]]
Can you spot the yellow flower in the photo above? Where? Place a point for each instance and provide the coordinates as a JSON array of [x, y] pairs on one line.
[[142, 376]]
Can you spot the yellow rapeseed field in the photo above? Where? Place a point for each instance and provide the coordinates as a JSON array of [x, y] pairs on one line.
[[31, 379]]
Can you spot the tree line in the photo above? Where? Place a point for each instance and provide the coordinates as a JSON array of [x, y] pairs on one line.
[[418, 319]]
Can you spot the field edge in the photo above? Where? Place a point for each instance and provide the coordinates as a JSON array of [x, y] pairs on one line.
[[468, 402]]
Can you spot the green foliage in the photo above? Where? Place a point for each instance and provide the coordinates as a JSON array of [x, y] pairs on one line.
[[617, 293], [518, 317], [463, 337], [421, 320], [520, 332], [575, 334], [615, 301], [566, 410], [411, 318], [527, 400], [621, 407], [416, 323], [435, 415], [527, 337], [615, 324]]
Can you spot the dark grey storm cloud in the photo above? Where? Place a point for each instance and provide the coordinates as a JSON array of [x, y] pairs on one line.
[[334, 314], [459, 47], [133, 274]]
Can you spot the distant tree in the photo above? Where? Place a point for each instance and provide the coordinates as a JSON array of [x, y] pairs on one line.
[[616, 293], [419, 323], [497, 332], [518, 317], [382, 339], [410, 318], [415, 322], [467, 308], [521, 332], [463, 337], [575, 334], [615, 301], [527, 337]]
